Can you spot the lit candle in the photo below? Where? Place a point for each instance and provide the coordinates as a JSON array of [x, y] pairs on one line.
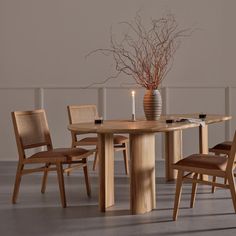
[[133, 105]]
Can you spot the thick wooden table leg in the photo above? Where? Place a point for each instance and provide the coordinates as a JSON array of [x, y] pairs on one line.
[[173, 152], [142, 176], [106, 171], [203, 144], [203, 139]]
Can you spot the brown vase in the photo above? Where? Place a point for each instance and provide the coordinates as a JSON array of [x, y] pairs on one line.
[[152, 104]]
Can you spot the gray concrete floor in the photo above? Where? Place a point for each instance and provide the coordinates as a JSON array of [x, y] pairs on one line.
[[41, 214]]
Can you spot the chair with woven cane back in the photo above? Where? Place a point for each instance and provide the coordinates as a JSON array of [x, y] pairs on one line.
[[206, 164], [88, 113], [31, 131]]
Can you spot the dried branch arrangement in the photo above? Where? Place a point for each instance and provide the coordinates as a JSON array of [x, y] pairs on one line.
[[146, 55]]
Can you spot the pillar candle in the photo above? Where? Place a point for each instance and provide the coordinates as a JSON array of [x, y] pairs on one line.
[[133, 103]]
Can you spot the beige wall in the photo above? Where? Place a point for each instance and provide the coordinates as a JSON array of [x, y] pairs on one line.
[[43, 44]]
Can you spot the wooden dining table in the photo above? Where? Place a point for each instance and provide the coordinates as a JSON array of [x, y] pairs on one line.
[[142, 154]]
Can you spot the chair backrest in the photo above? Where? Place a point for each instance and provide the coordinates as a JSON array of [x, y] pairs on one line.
[[232, 155], [80, 114], [31, 130]]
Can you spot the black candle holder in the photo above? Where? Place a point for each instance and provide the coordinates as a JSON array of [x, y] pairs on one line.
[[169, 121], [98, 121], [202, 116]]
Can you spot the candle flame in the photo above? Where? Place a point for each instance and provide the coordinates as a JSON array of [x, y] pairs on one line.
[[133, 93]]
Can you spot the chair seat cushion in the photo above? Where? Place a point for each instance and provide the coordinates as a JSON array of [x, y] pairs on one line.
[[88, 141], [118, 139], [225, 146], [61, 153], [205, 161]]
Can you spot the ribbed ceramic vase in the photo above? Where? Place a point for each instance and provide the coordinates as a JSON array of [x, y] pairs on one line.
[[152, 104]]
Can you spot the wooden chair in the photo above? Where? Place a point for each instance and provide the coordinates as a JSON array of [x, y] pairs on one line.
[[221, 149], [31, 131], [87, 113], [205, 164]]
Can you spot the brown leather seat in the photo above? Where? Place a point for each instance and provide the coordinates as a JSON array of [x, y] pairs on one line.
[[222, 148], [204, 161], [66, 154], [118, 139]]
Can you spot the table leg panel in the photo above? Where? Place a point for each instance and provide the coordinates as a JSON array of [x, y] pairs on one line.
[[173, 152], [203, 139], [142, 176], [203, 144], [106, 171]]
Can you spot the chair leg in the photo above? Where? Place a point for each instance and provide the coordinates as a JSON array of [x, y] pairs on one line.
[[45, 176], [194, 189], [225, 181], [61, 184], [213, 188], [95, 160], [85, 168], [69, 165], [17, 182], [68, 172], [231, 181], [179, 182], [126, 160]]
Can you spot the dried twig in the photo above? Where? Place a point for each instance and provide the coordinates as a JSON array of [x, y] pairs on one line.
[[144, 54]]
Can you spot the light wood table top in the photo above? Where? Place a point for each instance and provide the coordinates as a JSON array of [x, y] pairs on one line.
[[126, 126]]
